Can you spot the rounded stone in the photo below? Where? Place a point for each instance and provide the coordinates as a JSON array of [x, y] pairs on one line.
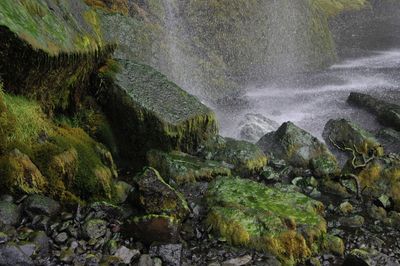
[[94, 228]]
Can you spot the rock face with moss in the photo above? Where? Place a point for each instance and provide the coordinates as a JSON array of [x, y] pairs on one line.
[[388, 114], [181, 168], [286, 223], [300, 149], [345, 138], [151, 112], [60, 42], [244, 157]]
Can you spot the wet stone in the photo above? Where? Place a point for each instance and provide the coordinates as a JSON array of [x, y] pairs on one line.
[[94, 228], [126, 255], [41, 205], [9, 213], [238, 261], [170, 254]]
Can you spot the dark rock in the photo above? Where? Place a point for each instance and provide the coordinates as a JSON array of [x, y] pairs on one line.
[[390, 139], [7, 198], [41, 205], [352, 221], [170, 254], [11, 254], [388, 113], [94, 228], [246, 158], [299, 149], [61, 238], [153, 228], [155, 196], [368, 257], [42, 241], [254, 126], [10, 213], [106, 211]]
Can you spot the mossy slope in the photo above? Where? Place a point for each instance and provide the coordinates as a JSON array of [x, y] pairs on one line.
[[280, 221], [151, 112]]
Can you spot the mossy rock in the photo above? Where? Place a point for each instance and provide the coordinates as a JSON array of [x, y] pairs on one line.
[[245, 157], [281, 221], [155, 196], [183, 168], [151, 112], [20, 175], [382, 177], [60, 41], [347, 135], [300, 149]]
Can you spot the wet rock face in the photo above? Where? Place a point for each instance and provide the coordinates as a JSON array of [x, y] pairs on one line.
[[281, 221], [254, 126], [180, 168], [390, 140], [388, 114], [151, 112], [299, 149], [349, 137], [157, 197], [246, 158]]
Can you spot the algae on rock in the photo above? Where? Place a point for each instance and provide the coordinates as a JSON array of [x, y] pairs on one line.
[[281, 221], [181, 168]]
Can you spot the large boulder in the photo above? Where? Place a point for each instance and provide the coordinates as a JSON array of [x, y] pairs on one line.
[[151, 112], [279, 220], [155, 196], [345, 137], [245, 157], [180, 168], [388, 113], [61, 42], [300, 149]]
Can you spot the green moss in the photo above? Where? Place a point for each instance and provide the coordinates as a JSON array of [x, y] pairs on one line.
[[283, 222], [183, 168]]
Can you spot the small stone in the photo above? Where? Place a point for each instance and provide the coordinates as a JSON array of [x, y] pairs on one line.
[[65, 216], [126, 255], [171, 254], [346, 208], [112, 247], [157, 262], [94, 228], [385, 201], [145, 260], [61, 238], [353, 221], [67, 255], [9, 213], [238, 261]]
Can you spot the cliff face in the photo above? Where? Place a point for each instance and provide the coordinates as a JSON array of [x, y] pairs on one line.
[[48, 49]]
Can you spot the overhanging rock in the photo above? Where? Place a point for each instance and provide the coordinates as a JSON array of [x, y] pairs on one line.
[[151, 112]]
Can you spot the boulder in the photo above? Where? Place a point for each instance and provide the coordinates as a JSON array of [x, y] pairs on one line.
[[153, 228], [244, 157], [41, 205], [388, 113], [368, 257], [344, 137], [155, 196], [171, 254], [390, 140], [11, 254], [300, 149], [10, 213], [182, 168], [19, 174], [254, 126], [279, 220], [94, 228], [151, 112]]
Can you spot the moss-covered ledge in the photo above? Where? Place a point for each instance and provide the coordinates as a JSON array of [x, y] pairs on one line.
[[48, 49], [151, 112]]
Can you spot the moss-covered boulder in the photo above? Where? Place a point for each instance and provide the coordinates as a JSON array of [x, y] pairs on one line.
[[300, 149], [388, 113], [20, 175], [59, 41], [151, 112], [155, 196], [278, 220], [343, 136], [244, 157], [382, 177], [182, 168]]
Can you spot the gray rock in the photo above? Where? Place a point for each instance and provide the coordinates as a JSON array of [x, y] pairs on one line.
[[254, 126], [170, 254], [368, 257], [9, 213], [390, 139], [41, 205], [106, 211], [41, 240], [94, 228], [11, 254], [6, 198], [61, 238], [238, 261], [3, 238], [145, 260], [126, 255], [28, 248], [352, 221]]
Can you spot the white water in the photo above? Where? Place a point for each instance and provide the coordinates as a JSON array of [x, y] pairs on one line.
[[313, 99]]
